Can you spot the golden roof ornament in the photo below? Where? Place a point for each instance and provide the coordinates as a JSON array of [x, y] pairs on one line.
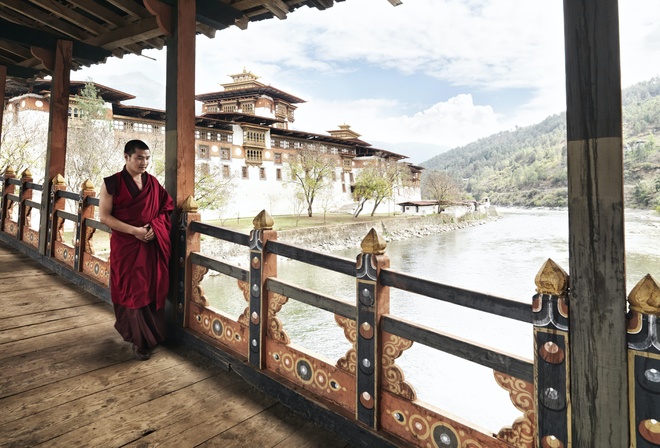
[[373, 243], [190, 205], [26, 173], [263, 221], [551, 279], [9, 171], [645, 296]]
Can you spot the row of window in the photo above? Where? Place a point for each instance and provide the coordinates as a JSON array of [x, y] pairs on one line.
[[286, 144], [136, 126], [211, 136]]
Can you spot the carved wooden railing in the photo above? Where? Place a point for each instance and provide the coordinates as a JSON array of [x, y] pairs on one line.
[[16, 218], [366, 382]]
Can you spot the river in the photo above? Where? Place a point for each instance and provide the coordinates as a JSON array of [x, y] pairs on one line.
[[500, 258]]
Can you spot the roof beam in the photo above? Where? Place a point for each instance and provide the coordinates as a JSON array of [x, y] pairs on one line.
[[322, 4], [145, 29], [277, 7], [71, 15], [32, 13], [395, 2], [38, 38]]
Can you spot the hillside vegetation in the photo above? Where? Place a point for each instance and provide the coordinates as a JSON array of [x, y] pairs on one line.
[[527, 166]]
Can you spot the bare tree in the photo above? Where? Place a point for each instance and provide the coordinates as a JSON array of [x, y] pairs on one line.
[[91, 152], [212, 190], [439, 186], [24, 141], [309, 171]]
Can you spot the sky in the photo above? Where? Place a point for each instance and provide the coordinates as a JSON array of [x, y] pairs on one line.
[[436, 73]]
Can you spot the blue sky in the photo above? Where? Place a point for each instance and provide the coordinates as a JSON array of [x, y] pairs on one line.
[[438, 72]]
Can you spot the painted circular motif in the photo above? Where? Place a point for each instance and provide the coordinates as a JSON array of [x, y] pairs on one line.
[[444, 436], [419, 426], [304, 371], [552, 399], [321, 379], [217, 328], [399, 417], [287, 360], [97, 268]]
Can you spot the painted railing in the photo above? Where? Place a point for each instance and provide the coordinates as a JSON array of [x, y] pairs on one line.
[[366, 385]]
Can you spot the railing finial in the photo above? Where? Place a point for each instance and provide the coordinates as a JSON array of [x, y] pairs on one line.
[[58, 180], [26, 173], [551, 279], [190, 205], [87, 185], [373, 243], [263, 221], [9, 171], [645, 296]]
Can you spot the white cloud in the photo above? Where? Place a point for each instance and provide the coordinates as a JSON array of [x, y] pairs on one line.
[[476, 45]]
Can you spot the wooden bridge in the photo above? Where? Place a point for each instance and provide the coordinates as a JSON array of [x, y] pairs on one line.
[[595, 376]]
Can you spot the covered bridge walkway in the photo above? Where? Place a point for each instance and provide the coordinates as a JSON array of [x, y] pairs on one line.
[[68, 379]]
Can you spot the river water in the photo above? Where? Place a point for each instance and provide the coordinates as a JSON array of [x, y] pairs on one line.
[[500, 258]]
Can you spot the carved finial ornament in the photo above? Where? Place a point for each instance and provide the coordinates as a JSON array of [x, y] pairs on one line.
[[9, 171], [190, 205], [263, 221], [87, 185], [645, 296], [26, 173], [373, 243], [551, 279], [58, 180]]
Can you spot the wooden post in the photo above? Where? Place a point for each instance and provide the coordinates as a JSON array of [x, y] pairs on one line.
[[23, 210], [180, 127], [644, 363], [54, 225], [189, 242], [3, 86], [58, 120], [85, 210], [7, 188], [373, 300], [262, 266], [551, 364], [599, 396]]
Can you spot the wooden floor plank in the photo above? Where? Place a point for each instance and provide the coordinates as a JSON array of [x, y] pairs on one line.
[[51, 395], [52, 321], [91, 414]]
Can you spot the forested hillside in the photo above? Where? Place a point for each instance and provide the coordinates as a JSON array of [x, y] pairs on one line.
[[527, 166]]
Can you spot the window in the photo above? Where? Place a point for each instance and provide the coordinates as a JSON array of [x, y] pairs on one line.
[[343, 188], [203, 152], [350, 177], [225, 171], [225, 153], [262, 173], [244, 172], [278, 173], [205, 168], [278, 158]]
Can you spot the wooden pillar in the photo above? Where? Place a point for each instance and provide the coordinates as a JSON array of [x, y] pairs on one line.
[[262, 266], [83, 235], [58, 120], [373, 300], [596, 231], [3, 86], [180, 126]]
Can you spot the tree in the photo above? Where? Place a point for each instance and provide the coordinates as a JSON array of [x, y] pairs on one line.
[[23, 143], [309, 171], [439, 186], [377, 182], [91, 152], [212, 190]]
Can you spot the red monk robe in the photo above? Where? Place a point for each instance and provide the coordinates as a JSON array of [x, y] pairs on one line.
[[139, 274]]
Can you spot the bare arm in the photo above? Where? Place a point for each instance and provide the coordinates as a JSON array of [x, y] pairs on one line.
[[105, 216]]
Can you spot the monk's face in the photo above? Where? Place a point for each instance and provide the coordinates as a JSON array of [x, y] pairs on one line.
[[138, 162]]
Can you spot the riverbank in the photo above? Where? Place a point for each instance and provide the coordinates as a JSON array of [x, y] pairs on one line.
[[331, 238]]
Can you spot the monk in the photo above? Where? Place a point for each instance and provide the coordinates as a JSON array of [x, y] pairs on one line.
[[137, 209]]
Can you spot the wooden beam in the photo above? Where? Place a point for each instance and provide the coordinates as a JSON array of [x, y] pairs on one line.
[[277, 7], [598, 376], [33, 14], [163, 15], [17, 50], [3, 86], [180, 126], [16, 71], [216, 14], [46, 57], [58, 120], [70, 15], [143, 30]]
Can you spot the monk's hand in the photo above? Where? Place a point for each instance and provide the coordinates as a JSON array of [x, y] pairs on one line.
[[149, 236], [141, 233]]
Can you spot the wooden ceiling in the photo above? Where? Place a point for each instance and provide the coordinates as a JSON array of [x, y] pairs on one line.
[[104, 28]]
